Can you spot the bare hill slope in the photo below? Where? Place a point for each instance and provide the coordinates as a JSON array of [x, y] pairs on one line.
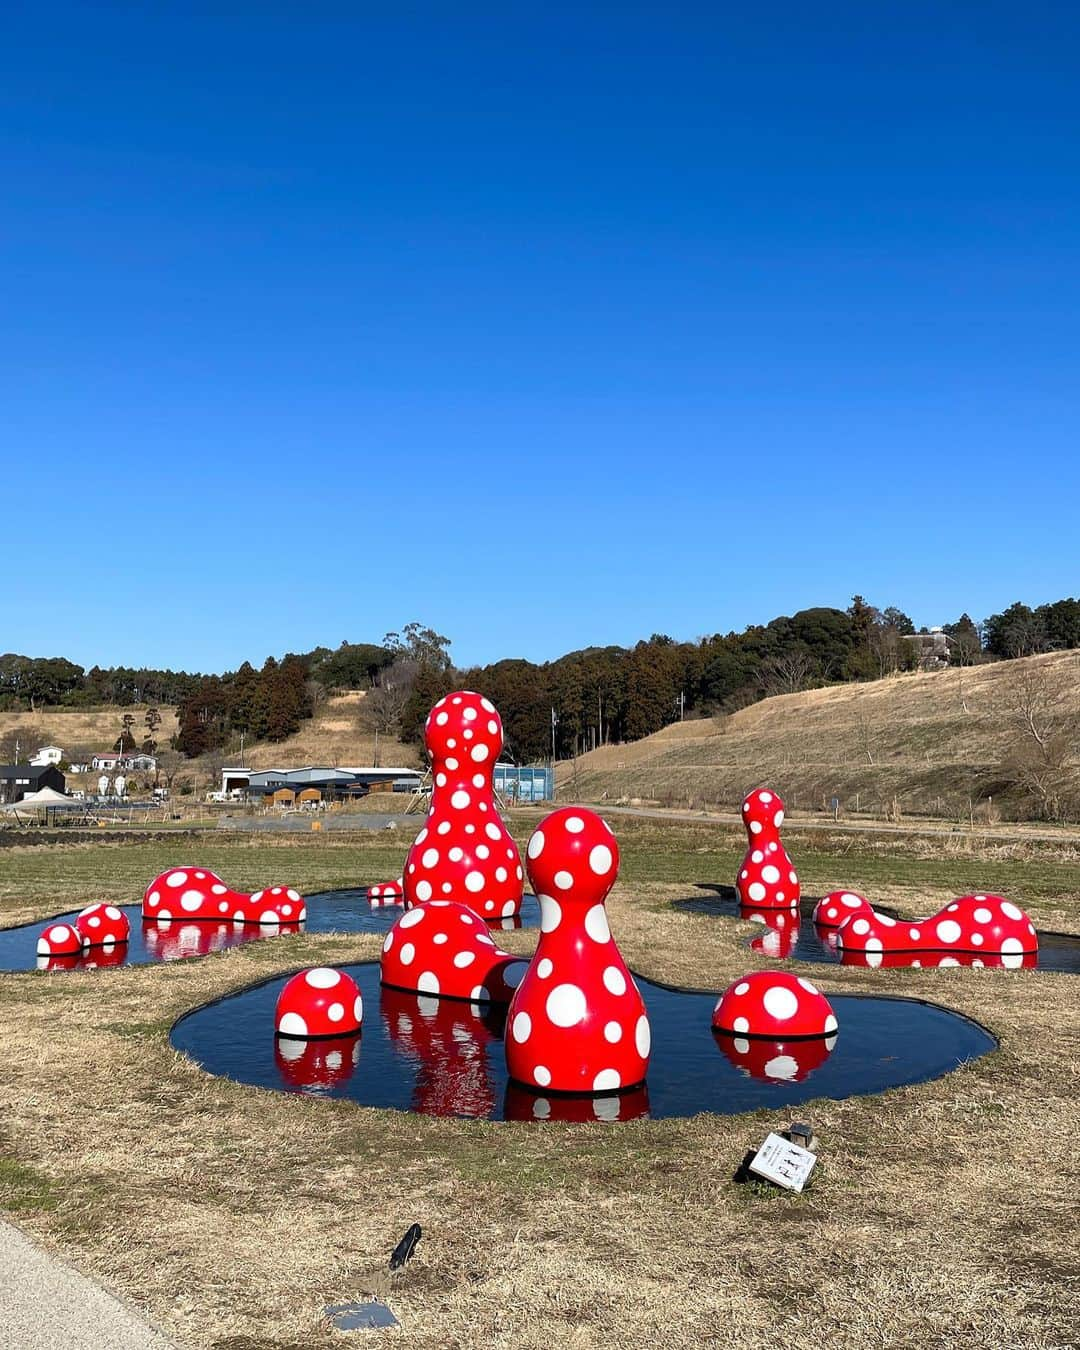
[[927, 742]]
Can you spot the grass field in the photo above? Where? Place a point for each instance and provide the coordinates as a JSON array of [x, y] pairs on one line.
[[233, 1215], [931, 743]]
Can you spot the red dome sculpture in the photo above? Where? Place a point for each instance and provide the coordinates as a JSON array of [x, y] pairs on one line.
[[767, 878], [61, 939], [984, 925], [317, 1065], [319, 1002], [103, 925], [577, 1022], [776, 1061], [196, 893], [834, 908], [387, 892], [464, 852], [781, 934], [522, 1104], [439, 947], [776, 1005]]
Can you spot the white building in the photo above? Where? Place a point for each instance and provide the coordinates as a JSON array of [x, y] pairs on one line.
[[111, 760], [48, 754]]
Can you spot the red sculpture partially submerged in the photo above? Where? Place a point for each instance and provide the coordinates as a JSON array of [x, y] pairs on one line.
[[103, 925], [319, 1002], [60, 939], [439, 947], [387, 893], [767, 878], [464, 852], [197, 893], [831, 910], [776, 1005], [577, 1022], [981, 925]]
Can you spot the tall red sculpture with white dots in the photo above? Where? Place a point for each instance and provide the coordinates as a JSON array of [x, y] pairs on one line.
[[577, 1022], [767, 878], [464, 852]]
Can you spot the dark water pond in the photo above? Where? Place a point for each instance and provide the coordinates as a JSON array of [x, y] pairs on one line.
[[346, 911], [785, 934], [445, 1057]]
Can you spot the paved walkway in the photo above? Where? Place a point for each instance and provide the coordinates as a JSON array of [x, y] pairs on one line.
[[47, 1305]]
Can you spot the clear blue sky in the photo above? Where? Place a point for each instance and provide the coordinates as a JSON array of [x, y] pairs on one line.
[[544, 325]]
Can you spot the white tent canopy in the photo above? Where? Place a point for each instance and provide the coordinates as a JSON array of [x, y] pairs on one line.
[[44, 800]]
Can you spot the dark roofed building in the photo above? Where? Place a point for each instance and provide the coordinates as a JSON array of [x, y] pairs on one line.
[[16, 780]]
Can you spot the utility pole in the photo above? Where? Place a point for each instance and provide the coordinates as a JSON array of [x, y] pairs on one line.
[[554, 724]]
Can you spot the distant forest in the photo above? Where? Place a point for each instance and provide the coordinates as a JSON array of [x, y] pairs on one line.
[[587, 698]]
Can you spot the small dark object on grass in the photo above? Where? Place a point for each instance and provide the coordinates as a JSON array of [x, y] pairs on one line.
[[405, 1248], [802, 1134]]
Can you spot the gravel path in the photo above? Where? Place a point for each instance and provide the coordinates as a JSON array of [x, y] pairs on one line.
[[47, 1305]]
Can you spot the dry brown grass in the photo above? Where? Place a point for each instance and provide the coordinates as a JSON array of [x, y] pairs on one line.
[[928, 752], [333, 736], [233, 1215], [91, 728]]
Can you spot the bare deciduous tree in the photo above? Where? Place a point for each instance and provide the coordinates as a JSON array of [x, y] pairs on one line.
[[1044, 730]]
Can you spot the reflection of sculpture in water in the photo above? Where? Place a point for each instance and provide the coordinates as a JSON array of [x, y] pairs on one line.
[[447, 1040], [524, 1104], [782, 930], [317, 1066]]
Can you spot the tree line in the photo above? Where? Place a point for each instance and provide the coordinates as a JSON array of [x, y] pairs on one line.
[[583, 699]]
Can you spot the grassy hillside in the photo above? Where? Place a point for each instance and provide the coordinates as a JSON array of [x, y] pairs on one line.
[[332, 736], [81, 728], [927, 742]]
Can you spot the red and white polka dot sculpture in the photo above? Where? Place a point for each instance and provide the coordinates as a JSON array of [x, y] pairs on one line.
[[197, 893], [103, 925], [577, 1022], [831, 910], [319, 1002], [464, 852], [387, 893], [986, 925], [775, 1005], [767, 878], [439, 947], [61, 939]]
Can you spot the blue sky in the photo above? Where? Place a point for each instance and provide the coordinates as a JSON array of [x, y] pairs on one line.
[[546, 326]]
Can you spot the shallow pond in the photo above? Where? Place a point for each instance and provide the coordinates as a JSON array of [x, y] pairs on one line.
[[444, 1057]]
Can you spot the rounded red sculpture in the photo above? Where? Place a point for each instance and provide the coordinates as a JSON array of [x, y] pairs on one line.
[[767, 878], [834, 908], [387, 892], [61, 939], [103, 925], [984, 925], [464, 852], [577, 1022], [776, 1005], [196, 893], [319, 1002], [439, 947], [776, 1061]]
